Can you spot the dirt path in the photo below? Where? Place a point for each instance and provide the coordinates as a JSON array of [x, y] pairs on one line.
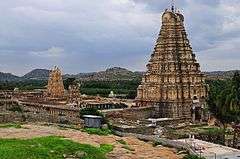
[[138, 149]]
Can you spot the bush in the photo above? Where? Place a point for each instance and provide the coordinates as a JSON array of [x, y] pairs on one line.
[[16, 108], [192, 157], [215, 135], [90, 111], [98, 131], [122, 142]]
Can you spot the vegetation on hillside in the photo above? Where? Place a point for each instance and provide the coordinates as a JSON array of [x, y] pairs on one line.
[[103, 88], [50, 148], [224, 99], [68, 82], [23, 85]]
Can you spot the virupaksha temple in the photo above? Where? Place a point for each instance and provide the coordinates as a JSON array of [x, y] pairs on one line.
[[174, 83], [170, 108]]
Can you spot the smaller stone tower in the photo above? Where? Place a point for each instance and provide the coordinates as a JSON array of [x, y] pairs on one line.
[[74, 96], [55, 88]]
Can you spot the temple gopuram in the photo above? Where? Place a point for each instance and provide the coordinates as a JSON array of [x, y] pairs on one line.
[[55, 87], [173, 83]]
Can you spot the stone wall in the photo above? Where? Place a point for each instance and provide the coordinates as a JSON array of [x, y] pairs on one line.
[[31, 117], [132, 113], [32, 114], [8, 117], [134, 129]]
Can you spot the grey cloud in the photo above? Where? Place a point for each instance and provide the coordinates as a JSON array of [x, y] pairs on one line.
[[97, 35], [51, 52]]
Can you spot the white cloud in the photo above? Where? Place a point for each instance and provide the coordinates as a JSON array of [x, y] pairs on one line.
[[51, 52]]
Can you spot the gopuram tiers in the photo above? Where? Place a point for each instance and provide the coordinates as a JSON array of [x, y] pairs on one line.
[[55, 87], [173, 83]]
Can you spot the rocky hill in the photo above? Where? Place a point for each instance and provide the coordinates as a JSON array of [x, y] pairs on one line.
[[111, 74], [8, 77], [220, 74], [37, 74]]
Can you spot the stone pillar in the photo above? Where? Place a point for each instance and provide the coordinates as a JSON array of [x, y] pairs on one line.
[[193, 113], [201, 119]]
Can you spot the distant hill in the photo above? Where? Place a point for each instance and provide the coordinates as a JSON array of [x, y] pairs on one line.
[[220, 74], [111, 74], [37, 74], [8, 77]]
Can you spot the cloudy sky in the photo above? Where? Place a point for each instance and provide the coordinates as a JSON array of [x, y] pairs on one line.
[[92, 35]]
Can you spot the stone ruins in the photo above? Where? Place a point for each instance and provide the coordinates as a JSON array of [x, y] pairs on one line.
[[173, 84], [53, 104]]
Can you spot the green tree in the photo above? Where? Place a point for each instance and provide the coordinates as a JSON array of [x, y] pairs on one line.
[[68, 82], [224, 99]]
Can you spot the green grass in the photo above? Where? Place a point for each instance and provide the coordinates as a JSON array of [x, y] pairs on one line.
[[98, 131], [49, 148], [11, 125], [125, 145], [122, 142]]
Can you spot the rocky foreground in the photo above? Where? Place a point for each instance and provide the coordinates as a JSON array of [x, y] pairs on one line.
[[132, 149]]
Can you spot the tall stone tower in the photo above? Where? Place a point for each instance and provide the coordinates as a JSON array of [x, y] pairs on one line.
[[173, 83], [55, 88]]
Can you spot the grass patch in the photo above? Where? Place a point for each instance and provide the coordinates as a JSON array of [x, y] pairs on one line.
[[128, 148], [122, 142], [50, 148], [98, 131], [11, 125], [125, 145]]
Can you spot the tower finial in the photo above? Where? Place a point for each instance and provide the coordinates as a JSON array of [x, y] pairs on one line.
[[173, 6]]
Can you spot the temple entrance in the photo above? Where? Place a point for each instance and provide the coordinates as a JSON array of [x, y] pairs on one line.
[[196, 110], [198, 114]]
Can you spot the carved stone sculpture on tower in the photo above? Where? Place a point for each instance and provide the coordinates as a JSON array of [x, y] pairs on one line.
[[55, 87], [173, 83]]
